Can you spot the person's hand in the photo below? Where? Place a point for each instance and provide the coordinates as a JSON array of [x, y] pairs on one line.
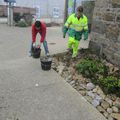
[[34, 44], [86, 35]]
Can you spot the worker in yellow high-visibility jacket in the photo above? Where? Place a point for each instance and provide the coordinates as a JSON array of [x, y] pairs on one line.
[[76, 25]]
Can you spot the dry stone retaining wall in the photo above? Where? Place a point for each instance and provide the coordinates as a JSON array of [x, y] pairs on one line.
[[106, 29]]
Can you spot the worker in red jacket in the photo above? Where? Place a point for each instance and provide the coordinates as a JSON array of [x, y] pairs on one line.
[[39, 27]]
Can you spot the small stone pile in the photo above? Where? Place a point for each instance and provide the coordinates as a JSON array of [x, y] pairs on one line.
[[108, 105]]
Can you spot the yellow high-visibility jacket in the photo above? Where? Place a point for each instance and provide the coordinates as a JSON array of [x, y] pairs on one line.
[[76, 27]]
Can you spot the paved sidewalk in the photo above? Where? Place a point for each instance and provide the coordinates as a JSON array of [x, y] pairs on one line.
[[27, 92]]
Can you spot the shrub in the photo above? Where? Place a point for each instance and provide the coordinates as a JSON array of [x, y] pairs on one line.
[[98, 73], [110, 84], [21, 24], [91, 68]]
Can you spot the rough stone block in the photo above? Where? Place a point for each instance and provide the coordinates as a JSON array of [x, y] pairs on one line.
[[118, 18], [108, 16], [102, 3], [119, 39], [115, 46], [111, 56], [95, 47], [115, 3], [99, 27], [112, 32], [116, 59], [100, 39]]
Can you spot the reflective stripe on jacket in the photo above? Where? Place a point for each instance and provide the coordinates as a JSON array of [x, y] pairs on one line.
[[77, 25]]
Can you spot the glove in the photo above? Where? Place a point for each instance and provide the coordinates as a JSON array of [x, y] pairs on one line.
[[86, 35], [65, 29], [34, 44]]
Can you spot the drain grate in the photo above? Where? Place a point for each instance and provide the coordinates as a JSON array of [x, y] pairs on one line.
[[52, 43]]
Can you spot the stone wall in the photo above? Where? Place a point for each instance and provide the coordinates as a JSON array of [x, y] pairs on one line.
[[88, 11], [106, 29]]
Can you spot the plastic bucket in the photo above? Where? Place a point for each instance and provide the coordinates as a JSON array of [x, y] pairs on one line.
[[36, 52], [46, 63]]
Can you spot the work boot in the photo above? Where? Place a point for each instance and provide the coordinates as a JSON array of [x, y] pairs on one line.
[[69, 51], [74, 56]]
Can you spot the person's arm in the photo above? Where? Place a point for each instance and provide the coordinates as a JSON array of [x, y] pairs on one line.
[[34, 33], [67, 25], [85, 28], [43, 34]]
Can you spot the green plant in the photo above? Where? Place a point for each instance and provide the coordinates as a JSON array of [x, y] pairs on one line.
[[110, 84], [21, 24], [116, 73], [91, 67], [98, 73]]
